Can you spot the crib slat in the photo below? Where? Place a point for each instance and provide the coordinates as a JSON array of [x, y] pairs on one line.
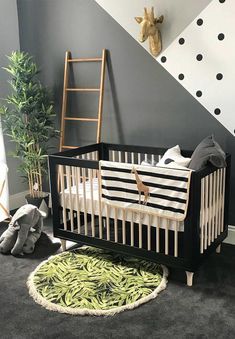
[[119, 156], [113, 155], [206, 211], [77, 185], [139, 158], [140, 230], [152, 159], [68, 179], [157, 235], [210, 210], [73, 177], [61, 174], [146, 157], [214, 208], [132, 158], [132, 229], [126, 157], [223, 197], [90, 173], [107, 222], [94, 158], [167, 237], [202, 217], [220, 200], [100, 205], [176, 238], [84, 199], [149, 232], [123, 226], [115, 225], [217, 205]]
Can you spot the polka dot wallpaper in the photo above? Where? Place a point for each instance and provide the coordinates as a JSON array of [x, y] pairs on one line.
[[202, 59]]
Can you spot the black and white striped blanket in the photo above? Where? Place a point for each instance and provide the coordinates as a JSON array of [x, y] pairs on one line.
[[164, 191]]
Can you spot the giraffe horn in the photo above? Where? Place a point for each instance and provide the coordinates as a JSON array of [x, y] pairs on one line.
[[152, 13], [145, 13]]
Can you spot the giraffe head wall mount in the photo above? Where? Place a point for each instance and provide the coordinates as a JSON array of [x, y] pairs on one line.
[[149, 30]]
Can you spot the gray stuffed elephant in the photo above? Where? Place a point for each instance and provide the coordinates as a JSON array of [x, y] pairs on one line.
[[23, 231]]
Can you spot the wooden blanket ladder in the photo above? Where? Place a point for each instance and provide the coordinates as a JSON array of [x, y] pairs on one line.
[[66, 89]]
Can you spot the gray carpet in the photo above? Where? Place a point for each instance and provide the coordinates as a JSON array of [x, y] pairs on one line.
[[207, 310]]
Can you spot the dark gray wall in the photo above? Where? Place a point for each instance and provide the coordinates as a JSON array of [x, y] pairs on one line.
[[144, 105], [9, 41]]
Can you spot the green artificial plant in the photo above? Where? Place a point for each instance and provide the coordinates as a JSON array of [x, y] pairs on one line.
[[28, 119]]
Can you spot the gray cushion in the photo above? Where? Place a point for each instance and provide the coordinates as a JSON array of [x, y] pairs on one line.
[[207, 151]]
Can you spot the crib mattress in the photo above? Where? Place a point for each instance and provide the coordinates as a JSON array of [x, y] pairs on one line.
[[75, 199]]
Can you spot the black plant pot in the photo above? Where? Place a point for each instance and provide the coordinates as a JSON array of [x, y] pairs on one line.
[[38, 201]]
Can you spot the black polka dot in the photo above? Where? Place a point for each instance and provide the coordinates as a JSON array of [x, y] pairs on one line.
[[221, 1], [199, 57], [221, 36], [219, 76], [199, 93], [163, 59], [181, 41], [181, 76], [199, 22], [217, 111]]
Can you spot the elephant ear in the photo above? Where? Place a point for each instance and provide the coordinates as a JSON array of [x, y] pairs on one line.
[[19, 214], [25, 214]]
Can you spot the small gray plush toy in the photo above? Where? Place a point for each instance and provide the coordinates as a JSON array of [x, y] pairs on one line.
[[23, 231]]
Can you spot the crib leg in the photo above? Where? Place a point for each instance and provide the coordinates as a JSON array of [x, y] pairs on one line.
[[189, 278], [63, 244], [218, 249]]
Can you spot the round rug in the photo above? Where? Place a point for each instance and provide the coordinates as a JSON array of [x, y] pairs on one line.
[[94, 281]]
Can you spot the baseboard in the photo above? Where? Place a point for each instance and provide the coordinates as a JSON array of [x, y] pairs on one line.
[[17, 200], [231, 235]]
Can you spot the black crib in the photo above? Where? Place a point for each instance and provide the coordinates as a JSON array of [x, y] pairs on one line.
[[78, 214]]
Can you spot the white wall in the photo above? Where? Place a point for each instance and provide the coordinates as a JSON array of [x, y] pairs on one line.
[[177, 15]]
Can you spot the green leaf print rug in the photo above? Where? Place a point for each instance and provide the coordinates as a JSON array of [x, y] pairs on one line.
[[96, 282]]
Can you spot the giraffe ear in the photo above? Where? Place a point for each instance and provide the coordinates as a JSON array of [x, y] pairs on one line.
[[159, 20], [139, 19]]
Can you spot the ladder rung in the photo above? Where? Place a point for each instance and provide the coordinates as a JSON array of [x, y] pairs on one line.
[[69, 147], [81, 119], [82, 89], [85, 60]]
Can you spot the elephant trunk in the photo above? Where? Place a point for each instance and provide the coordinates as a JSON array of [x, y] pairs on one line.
[[21, 238]]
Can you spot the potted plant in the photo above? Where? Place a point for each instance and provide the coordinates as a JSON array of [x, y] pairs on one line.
[[28, 119]]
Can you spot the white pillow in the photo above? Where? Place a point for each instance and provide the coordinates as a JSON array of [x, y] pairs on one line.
[[173, 158]]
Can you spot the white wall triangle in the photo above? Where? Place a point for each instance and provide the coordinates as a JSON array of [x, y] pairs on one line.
[[200, 78], [178, 15]]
